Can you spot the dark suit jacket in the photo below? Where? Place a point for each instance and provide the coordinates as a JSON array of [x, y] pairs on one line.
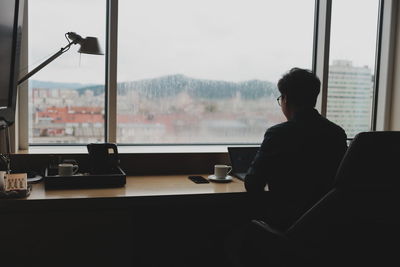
[[298, 160]]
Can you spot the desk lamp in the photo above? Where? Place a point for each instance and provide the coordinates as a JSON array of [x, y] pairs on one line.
[[89, 45]]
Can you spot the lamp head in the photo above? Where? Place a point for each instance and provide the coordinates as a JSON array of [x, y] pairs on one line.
[[89, 45]]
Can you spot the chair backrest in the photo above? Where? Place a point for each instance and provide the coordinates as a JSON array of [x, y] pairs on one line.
[[357, 221], [372, 160]]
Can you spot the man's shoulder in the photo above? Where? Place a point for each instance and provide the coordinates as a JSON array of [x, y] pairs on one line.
[[334, 127], [281, 129], [290, 128], [286, 126]]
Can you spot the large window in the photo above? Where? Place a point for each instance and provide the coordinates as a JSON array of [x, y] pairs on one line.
[[66, 98], [194, 71], [352, 64]]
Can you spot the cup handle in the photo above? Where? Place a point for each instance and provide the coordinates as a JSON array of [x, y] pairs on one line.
[[75, 168], [230, 169]]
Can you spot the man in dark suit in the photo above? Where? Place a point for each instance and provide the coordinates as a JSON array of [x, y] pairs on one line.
[[297, 159]]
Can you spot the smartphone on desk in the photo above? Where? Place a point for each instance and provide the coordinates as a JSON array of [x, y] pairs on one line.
[[198, 179]]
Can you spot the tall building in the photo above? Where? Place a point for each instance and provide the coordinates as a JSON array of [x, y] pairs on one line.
[[350, 90]]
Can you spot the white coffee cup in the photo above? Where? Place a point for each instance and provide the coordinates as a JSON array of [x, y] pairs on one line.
[[67, 169], [221, 171]]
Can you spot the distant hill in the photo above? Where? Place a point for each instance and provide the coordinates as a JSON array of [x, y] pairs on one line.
[[210, 89], [172, 85], [55, 85], [97, 89]]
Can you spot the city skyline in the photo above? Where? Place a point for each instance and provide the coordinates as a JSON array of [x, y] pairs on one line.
[[181, 109]]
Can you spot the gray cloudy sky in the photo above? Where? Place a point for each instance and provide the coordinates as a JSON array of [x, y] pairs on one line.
[[211, 39]]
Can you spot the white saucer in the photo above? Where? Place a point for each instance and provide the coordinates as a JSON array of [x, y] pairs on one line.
[[227, 178]]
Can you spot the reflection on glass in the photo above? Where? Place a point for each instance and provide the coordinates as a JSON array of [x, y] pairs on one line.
[[206, 71], [351, 72], [66, 98]]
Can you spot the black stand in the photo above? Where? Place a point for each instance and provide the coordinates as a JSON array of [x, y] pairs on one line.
[[6, 157]]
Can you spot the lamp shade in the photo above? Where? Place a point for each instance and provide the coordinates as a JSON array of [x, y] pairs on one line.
[[90, 45]]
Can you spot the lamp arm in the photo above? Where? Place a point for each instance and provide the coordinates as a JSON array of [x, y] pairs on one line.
[[41, 66]]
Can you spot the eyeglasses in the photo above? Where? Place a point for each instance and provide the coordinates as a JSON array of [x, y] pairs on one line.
[[279, 99]]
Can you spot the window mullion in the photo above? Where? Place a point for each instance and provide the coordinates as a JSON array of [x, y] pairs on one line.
[[22, 104], [321, 49], [111, 69], [384, 63]]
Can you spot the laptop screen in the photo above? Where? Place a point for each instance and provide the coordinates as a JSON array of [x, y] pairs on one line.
[[241, 158]]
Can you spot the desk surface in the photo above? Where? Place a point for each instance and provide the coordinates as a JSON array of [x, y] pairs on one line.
[[167, 185]]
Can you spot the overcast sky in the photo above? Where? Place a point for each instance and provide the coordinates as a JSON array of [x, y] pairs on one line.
[[232, 40]]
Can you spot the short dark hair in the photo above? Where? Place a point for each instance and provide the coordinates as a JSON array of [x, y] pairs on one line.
[[300, 86]]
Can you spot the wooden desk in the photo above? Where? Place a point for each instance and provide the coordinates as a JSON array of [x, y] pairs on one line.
[[139, 190], [142, 186], [146, 223]]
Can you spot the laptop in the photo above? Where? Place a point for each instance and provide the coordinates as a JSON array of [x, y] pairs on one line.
[[241, 158]]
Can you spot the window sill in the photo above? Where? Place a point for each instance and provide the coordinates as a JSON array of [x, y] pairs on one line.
[[131, 149]]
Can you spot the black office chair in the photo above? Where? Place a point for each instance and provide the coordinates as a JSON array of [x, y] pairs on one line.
[[356, 224]]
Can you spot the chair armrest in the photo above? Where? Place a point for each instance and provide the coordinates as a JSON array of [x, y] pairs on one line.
[[269, 230], [263, 245], [274, 247]]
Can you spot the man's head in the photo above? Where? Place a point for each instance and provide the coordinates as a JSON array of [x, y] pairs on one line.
[[299, 90]]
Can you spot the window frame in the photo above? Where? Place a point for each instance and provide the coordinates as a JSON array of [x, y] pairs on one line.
[[322, 36], [384, 65], [320, 65], [110, 134]]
